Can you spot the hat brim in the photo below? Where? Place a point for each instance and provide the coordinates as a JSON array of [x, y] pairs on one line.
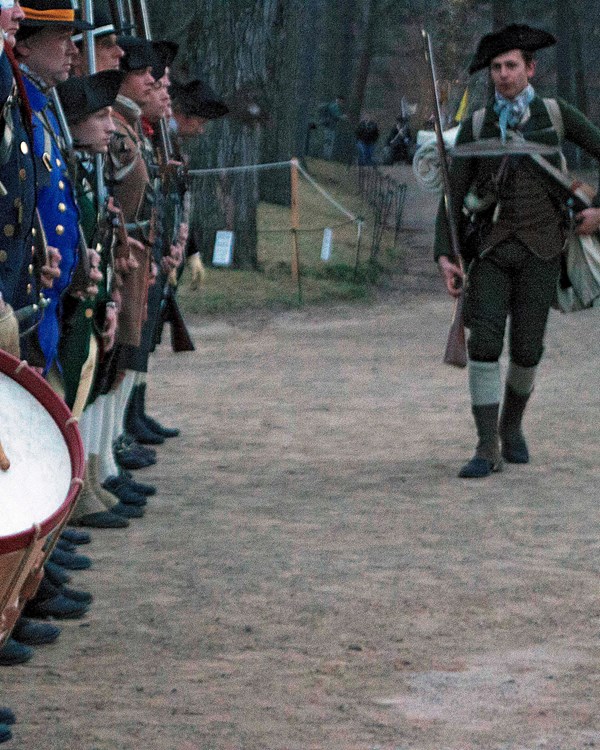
[[512, 37], [75, 25]]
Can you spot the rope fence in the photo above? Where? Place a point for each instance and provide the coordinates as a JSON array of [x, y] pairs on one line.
[[384, 195]]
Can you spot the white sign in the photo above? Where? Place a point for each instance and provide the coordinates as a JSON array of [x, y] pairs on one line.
[[326, 246], [223, 251]]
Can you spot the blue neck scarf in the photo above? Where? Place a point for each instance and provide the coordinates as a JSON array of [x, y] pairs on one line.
[[510, 111]]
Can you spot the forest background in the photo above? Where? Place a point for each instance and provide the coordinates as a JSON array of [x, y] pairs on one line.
[[276, 61]]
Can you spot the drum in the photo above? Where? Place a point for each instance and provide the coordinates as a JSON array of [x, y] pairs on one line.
[[41, 473]]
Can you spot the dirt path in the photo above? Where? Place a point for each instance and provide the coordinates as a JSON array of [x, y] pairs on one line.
[[312, 576]]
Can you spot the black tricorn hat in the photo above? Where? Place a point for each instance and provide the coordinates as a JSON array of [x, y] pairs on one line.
[[165, 52], [515, 36], [83, 96], [197, 99], [43, 13], [139, 53]]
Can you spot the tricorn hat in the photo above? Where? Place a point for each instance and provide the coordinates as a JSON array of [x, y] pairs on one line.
[[197, 99], [139, 53], [165, 53], [43, 13], [83, 96], [515, 36]]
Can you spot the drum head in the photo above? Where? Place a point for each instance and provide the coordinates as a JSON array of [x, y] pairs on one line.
[[44, 450]]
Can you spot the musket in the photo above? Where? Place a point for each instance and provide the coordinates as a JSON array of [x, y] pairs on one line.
[[80, 280], [456, 349], [89, 48], [170, 312]]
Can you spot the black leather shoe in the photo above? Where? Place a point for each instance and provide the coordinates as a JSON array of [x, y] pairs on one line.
[[14, 652], [70, 561], [60, 607], [103, 520], [139, 396], [7, 716], [83, 597], [143, 489], [128, 511], [127, 458], [479, 468], [121, 489], [65, 545], [128, 441], [5, 733], [32, 633], [143, 434], [57, 575], [77, 537], [159, 429]]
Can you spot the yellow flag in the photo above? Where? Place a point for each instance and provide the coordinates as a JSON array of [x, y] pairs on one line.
[[462, 107]]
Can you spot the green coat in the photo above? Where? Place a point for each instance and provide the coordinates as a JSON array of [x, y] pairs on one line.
[[464, 172]]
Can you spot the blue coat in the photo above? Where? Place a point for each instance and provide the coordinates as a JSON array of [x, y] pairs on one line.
[[58, 212], [17, 175]]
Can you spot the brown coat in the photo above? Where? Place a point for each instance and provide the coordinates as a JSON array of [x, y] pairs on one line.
[[128, 172]]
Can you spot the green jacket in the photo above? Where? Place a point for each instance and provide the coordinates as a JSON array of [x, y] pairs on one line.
[[465, 172]]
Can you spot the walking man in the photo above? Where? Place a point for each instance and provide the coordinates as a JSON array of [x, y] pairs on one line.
[[516, 262]]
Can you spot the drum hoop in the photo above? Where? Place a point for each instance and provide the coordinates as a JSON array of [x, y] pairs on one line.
[[35, 384]]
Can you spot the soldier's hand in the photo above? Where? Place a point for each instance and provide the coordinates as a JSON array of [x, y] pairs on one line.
[[51, 269], [588, 221], [197, 271], [168, 264], [9, 330], [452, 275], [95, 276], [184, 233], [177, 254], [110, 327]]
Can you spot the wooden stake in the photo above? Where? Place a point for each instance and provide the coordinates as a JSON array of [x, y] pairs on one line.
[[295, 220]]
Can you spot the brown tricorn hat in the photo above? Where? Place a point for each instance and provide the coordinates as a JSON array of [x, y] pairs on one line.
[[515, 36]]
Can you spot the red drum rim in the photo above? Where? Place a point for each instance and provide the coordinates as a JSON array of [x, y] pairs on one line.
[[35, 384]]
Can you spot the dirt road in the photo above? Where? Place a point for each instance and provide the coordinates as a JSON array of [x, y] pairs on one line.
[[312, 576]]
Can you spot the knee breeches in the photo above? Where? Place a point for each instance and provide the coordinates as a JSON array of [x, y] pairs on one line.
[[509, 282]]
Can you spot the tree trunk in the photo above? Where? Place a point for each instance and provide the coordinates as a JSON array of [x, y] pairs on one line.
[[227, 43], [365, 58], [284, 97]]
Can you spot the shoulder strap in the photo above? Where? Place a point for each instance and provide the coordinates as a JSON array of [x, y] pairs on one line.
[[555, 115]]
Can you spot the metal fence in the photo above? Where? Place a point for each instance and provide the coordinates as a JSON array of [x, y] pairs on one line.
[[387, 197]]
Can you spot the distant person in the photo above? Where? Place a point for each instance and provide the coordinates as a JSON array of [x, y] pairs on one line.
[[399, 141], [367, 135], [329, 117]]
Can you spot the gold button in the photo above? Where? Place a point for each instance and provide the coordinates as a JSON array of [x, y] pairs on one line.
[[9, 230], [22, 174], [29, 288], [24, 148], [33, 231], [61, 184], [60, 229], [62, 208], [3, 256], [30, 269], [58, 163], [89, 313], [17, 203]]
